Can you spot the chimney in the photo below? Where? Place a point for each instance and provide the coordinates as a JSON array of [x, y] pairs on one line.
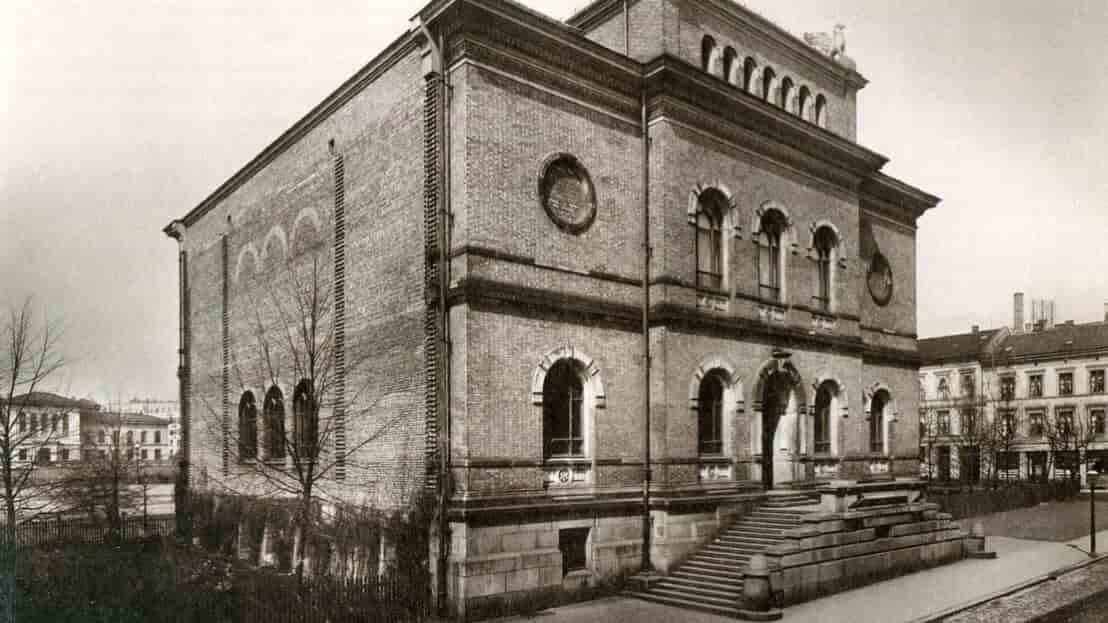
[[975, 329], [1017, 311]]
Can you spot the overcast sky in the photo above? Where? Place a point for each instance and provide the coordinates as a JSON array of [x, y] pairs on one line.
[[116, 117]]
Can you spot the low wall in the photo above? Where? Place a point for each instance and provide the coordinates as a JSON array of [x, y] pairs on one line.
[[864, 534]]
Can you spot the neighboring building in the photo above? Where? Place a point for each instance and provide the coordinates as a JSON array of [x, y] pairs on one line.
[[143, 437], [48, 426], [782, 317], [165, 409], [1046, 385]]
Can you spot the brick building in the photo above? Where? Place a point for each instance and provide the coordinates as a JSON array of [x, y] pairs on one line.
[[1037, 391], [483, 191]]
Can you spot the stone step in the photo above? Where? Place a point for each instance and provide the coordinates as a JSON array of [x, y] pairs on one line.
[[724, 560], [727, 611], [760, 539], [688, 575], [722, 602], [733, 553], [696, 588], [729, 572]]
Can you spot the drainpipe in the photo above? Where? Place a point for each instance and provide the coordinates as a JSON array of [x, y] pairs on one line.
[[647, 567], [443, 269], [176, 230]]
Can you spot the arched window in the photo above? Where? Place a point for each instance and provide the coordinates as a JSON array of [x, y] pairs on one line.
[[710, 415], [274, 413], [786, 92], [709, 239], [730, 65], [248, 427], [769, 256], [802, 102], [749, 67], [821, 432], [707, 53], [877, 422], [563, 411], [821, 111], [768, 77], [305, 421], [826, 241]]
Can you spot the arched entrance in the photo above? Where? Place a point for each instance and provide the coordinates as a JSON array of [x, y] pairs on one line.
[[779, 421]]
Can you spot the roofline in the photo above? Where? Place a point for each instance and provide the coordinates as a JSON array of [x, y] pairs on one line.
[[365, 76], [585, 18]]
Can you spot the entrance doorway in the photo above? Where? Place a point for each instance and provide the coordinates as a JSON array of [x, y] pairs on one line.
[[776, 393]]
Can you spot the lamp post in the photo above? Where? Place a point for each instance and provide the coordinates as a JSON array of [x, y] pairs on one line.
[[1092, 475]]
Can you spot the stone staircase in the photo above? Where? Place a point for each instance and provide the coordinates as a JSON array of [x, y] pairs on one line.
[[711, 580]]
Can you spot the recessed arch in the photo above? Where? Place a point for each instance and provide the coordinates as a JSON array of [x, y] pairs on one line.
[[785, 94], [276, 235], [750, 74], [728, 403], [881, 412], [819, 115], [731, 68], [769, 84], [311, 235], [589, 368], [710, 55], [803, 102], [247, 254]]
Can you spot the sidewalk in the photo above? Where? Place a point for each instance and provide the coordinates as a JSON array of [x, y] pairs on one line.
[[899, 600]]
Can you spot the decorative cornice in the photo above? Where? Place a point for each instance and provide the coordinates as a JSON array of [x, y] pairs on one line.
[[885, 193]]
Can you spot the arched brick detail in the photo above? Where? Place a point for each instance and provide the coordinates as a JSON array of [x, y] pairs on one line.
[[248, 253], [591, 371], [734, 383], [766, 370], [276, 233], [732, 223], [871, 391], [840, 391], [788, 238], [311, 215]]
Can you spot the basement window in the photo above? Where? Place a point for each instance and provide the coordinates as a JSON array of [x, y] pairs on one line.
[[572, 542]]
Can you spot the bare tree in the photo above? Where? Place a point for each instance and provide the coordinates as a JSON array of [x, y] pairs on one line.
[[293, 346], [98, 487], [30, 356], [1068, 434]]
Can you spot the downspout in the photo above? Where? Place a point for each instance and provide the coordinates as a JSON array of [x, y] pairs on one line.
[[176, 230], [647, 567], [443, 269]]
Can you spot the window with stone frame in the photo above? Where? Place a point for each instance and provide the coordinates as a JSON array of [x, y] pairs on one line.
[[158, 434], [21, 422], [1008, 421], [942, 422], [1007, 388], [769, 256], [248, 428], [23, 454], [710, 415], [712, 206], [1064, 419], [305, 421], [1096, 381], [273, 413], [825, 241], [822, 424], [1096, 418], [1035, 424], [969, 386], [64, 454], [944, 389], [1035, 386], [563, 412], [1065, 383]]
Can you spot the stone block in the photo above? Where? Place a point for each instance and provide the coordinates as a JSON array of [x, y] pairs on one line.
[[551, 576], [481, 585], [521, 580], [519, 541]]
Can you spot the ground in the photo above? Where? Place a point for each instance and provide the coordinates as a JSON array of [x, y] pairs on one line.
[[1030, 543]]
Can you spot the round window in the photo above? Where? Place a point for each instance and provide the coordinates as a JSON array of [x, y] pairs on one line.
[[567, 194], [880, 279]]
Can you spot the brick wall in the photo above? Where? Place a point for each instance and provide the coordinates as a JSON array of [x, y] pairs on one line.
[[277, 224]]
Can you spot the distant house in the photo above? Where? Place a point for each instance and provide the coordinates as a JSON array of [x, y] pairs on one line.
[[46, 427], [142, 437]]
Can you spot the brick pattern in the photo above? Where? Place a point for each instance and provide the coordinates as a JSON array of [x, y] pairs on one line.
[[339, 253]]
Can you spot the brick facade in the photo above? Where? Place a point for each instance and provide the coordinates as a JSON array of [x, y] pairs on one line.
[[524, 294]]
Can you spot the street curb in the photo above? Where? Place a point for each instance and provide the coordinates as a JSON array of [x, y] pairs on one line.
[[1004, 592]]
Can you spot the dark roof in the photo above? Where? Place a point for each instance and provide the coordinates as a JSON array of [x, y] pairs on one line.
[[960, 347], [1059, 339], [47, 399], [129, 419]]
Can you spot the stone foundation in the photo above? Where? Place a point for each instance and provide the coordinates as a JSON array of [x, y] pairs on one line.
[[866, 533]]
